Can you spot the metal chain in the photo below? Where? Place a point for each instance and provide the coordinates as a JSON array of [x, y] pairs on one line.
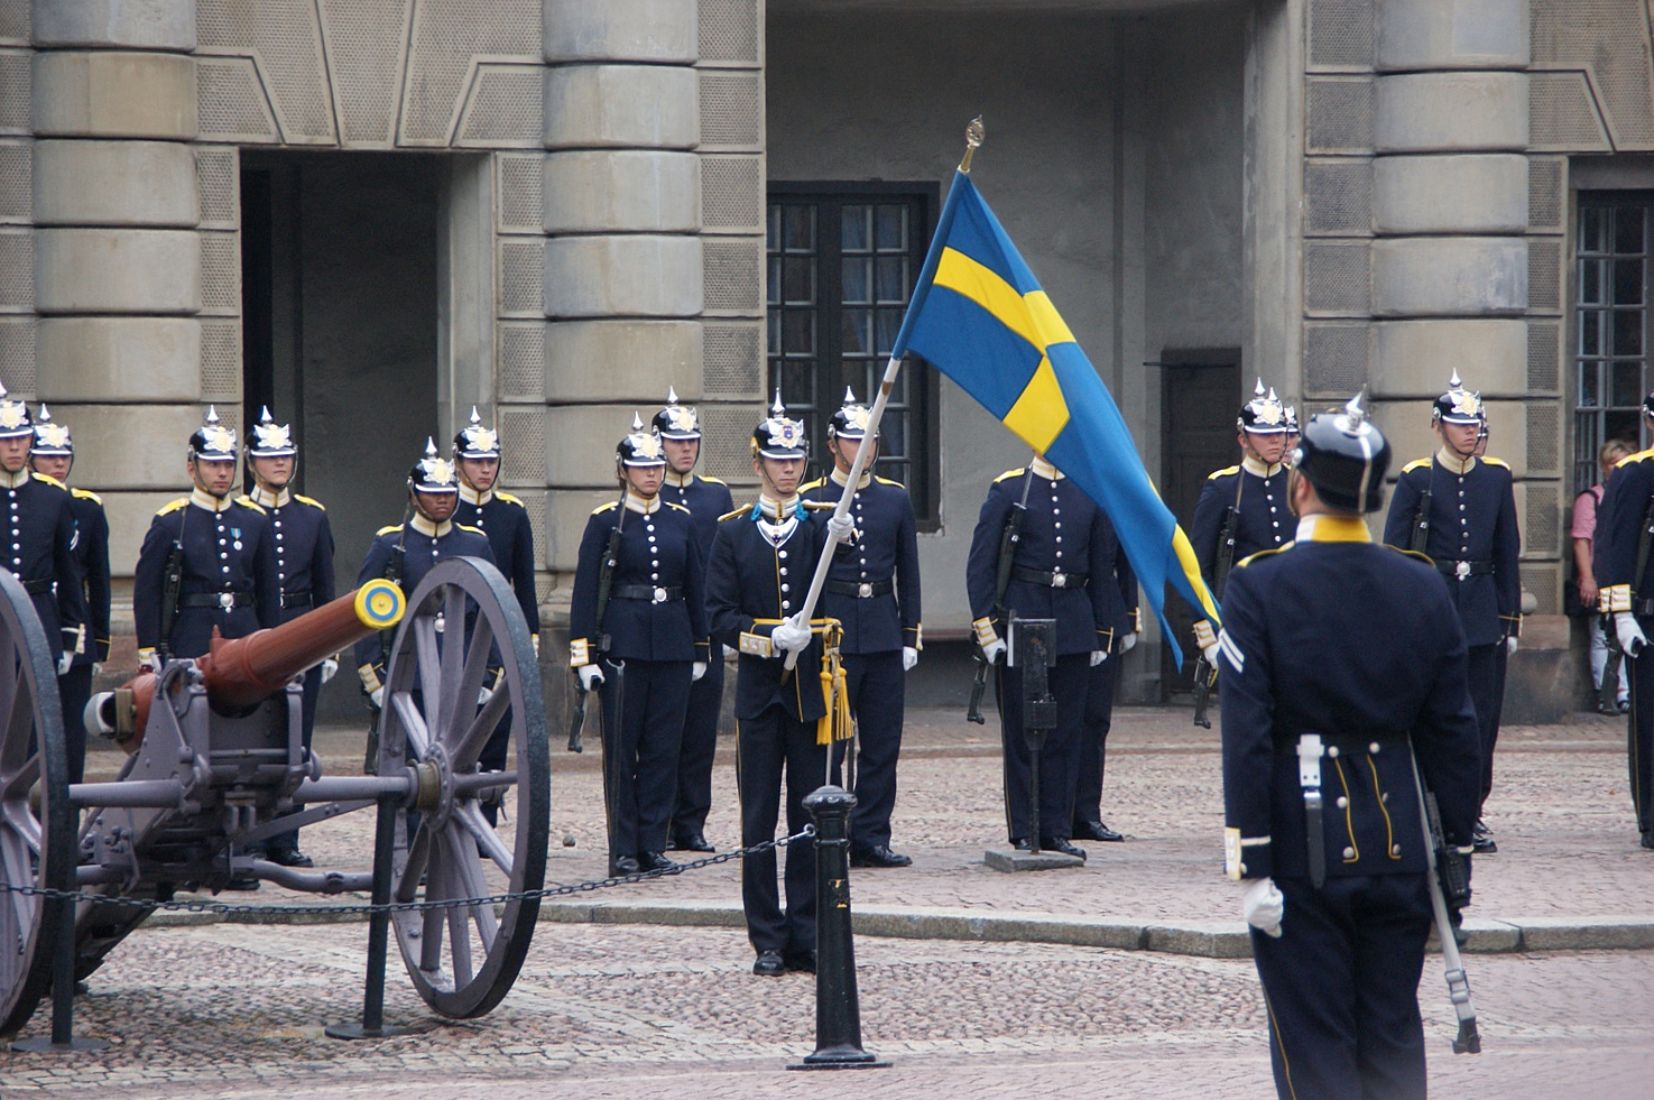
[[560, 890]]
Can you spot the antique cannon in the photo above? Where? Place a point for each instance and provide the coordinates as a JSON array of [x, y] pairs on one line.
[[217, 765]]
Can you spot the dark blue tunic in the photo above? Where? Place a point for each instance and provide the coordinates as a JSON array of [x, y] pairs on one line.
[[229, 579], [883, 553], [91, 546], [504, 519], [39, 524], [1264, 521], [424, 545], [657, 600]]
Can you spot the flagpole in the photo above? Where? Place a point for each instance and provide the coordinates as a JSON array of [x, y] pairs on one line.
[[839, 525]]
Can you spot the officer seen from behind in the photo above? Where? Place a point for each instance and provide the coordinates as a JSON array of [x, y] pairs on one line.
[[1341, 661]]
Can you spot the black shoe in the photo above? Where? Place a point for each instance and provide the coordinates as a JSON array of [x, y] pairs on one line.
[[692, 842], [878, 856], [657, 861], [770, 964], [804, 961], [1624, 706], [623, 865], [289, 857], [1648, 840], [243, 883], [1061, 844], [1096, 830], [1481, 839]]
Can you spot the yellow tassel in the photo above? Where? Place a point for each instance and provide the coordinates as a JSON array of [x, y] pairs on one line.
[[824, 724]]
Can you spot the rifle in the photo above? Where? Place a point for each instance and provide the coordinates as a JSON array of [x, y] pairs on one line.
[[605, 583], [172, 585], [1009, 536], [395, 568], [1608, 689], [1206, 675], [1419, 540], [1449, 880]]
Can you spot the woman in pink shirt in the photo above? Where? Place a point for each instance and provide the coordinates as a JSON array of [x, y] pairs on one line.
[[1583, 530]]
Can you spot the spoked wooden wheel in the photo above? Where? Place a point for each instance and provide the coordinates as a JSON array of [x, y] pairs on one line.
[[463, 625], [36, 822]]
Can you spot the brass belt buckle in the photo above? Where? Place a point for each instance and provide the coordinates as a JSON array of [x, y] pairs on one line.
[[660, 595], [1461, 569], [226, 600], [1059, 580], [864, 590]]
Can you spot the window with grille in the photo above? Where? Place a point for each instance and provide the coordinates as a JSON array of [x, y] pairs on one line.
[[1611, 374], [842, 262]]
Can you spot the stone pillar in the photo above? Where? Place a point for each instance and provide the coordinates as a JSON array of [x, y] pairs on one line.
[[117, 252], [17, 319]]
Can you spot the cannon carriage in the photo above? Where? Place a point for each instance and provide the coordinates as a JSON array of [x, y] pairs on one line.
[[217, 764]]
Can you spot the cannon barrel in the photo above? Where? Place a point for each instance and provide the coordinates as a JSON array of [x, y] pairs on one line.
[[241, 672]]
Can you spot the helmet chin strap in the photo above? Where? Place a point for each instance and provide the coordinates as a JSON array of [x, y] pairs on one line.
[[195, 478]]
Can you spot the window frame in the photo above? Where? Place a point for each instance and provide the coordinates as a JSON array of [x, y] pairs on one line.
[[1589, 422], [924, 390]]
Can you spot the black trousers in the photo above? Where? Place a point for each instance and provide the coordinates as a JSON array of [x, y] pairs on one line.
[[767, 748], [1639, 740], [1093, 754], [1487, 681], [877, 687], [312, 690], [1341, 986], [74, 689], [1068, 682], [493, 757], [700, 746], [640, 755]]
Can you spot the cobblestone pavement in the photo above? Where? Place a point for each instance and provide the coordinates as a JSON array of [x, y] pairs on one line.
[[601, 1010]]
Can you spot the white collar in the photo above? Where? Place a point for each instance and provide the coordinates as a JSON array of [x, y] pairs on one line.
[[681, 481], [426, 527], [17, 480], [203, 499], [642, 507], [841, 478], [474, 496], [1043, 468], [1256, 466], [775, 511], [267, 499], [1453, 463]]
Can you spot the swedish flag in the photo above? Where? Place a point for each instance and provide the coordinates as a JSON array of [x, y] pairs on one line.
[[980, 316]]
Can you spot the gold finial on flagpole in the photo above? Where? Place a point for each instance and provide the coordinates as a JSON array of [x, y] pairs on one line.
[[974, 133]]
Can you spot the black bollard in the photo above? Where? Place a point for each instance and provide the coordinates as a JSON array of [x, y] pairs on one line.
[[63, 1038], [838, 1007]]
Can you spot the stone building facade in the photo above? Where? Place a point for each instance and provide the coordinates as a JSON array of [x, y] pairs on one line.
[[373, 214]]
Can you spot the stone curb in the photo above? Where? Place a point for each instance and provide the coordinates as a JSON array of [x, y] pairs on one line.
[[1213, 939]]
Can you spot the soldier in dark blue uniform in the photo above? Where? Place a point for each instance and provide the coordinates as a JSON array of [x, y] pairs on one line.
[[707, 498], [873, 589], [1064, 570], [1255, 490], [53, 456], [650, 645], [504, 519], [1326, 698], [757, 578], [1468, 528], [39, 518], [1125, 621], [304, 564], [228, 558], [1623, 570], [406, 551]]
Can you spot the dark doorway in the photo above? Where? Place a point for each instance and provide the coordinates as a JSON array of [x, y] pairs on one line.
[[340, 331], [1199, 396]]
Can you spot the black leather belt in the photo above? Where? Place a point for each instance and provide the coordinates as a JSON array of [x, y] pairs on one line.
[[645, 592], [1051, 578], [291, 600], [223, 600], [1463, 569], [40, 586], [862, 590]]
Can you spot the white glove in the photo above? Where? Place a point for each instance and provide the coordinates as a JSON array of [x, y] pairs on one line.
[[791, 636], [1207, 640], [590, 676], [330, 668], [840, 528], [1127, 641], [64, 662], [377, 697], [484, 695], [97, 669], [1264, 906], [1631, 636], [994, 650], [1511, 643], [697, 670], [910, 657], [1098, 656]]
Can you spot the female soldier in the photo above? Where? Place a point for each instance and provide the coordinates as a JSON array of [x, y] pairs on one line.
[[637, 627]]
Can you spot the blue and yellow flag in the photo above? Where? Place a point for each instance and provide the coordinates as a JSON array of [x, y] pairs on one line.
[[980, 316]]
